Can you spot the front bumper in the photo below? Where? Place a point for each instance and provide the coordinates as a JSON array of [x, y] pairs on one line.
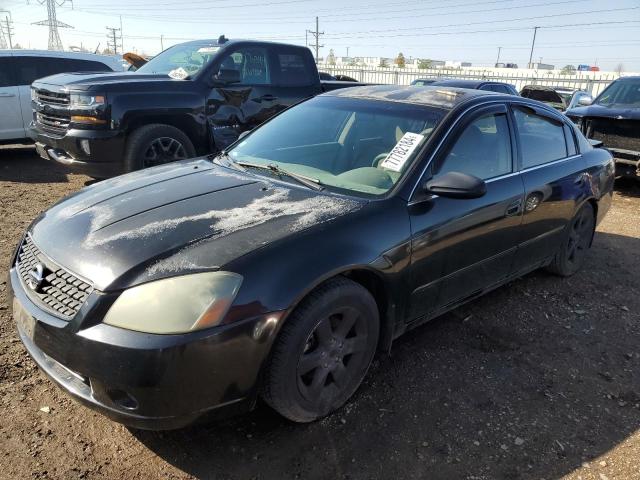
[[106, 150], [627, 162], [146, 381]]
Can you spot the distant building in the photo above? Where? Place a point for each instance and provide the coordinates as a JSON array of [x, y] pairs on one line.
[[542, 66]]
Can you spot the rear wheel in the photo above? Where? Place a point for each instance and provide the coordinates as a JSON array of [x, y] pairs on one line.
[[323, 351], [156, 144], [577, 242]]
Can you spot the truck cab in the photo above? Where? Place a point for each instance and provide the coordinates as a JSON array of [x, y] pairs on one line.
[[192, 99]]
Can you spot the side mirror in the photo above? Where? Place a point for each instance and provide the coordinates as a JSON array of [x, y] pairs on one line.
[[227, 76], [456, 185], [585, 100]]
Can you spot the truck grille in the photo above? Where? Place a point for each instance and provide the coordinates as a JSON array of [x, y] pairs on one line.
[[52, 98], [613, 133], [48, 285], [53, 123], [55, 119]]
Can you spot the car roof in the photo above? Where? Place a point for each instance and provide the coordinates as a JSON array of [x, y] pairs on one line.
[[111, 60], [440, 97], [453, 82], [227, 42]]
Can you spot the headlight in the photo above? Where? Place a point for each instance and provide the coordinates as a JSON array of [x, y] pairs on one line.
[[176, 305], [78, 100]]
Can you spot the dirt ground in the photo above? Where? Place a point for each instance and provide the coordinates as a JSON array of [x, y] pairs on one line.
[[538, 380]]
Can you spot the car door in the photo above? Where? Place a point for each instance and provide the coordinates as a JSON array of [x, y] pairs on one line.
[[553, 176], [11, 122], [237, 107], [462, 246]]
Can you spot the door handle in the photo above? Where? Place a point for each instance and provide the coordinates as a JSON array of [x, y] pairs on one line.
[[514, 208], [7, 95]]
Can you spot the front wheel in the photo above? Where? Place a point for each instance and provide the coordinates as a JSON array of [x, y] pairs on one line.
[[577, 242], [323, 351], [156, 144]]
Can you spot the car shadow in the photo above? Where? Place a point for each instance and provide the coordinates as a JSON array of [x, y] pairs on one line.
[[530, 381], [628, 187], [21, 163]]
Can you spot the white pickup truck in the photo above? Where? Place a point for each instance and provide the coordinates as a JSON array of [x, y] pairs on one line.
[[19, 68]]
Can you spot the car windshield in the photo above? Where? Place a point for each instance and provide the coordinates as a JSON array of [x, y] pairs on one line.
[[358, 145], [621, 92], [181, 61]]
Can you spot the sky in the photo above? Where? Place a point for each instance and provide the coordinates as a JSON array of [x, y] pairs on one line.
[[595, 32]]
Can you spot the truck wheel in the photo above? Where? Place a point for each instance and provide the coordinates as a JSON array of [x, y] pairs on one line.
[[323, 351], [156, 144], [577, 242]]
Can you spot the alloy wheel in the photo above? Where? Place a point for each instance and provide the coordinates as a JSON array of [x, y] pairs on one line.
[[163, 150]]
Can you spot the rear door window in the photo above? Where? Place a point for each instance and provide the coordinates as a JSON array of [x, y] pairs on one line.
[[31, 68], [251, 63], [293, 68], [6, 72], [542, 139]]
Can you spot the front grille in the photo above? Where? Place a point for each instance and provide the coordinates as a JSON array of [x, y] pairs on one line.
[[614, 133], [56, 118], [52, 98], [53, 123], [49, 285]]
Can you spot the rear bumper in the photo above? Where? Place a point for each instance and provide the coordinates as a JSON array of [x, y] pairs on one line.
[[105, 147], [154, 382]]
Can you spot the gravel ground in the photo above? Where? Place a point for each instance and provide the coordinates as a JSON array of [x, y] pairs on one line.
[[537, 380]]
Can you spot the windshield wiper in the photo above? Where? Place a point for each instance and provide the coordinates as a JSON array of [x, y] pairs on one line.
[[225, 160], [310, 182]]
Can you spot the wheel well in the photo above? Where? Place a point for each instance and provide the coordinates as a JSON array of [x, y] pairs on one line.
[[594, 204], [376, 287], [181, 123]]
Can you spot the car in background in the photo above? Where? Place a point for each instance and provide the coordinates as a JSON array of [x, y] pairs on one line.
[[20, 68], [490, 86], [614, 119], [560, 98], [338, 77], [421, 82], [280, 266]]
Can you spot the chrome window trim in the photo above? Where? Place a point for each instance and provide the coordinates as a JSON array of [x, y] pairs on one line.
[[552, 162]]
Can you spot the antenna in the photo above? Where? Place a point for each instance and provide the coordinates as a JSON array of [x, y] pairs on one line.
[[52, 22]]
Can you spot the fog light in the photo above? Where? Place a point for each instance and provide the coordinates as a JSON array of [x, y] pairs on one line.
[[123, 399], [84, 144]]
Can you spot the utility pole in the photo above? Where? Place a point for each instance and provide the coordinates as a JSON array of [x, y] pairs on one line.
[[52, 22], [161, 43], [498, 59], [316, 34], [347, 52], [533, 43], [112, 36], [7, 31], [121, 37]]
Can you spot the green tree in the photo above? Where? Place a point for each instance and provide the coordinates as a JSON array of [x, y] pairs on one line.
[[568, 70], [383, 63], [399, 61]]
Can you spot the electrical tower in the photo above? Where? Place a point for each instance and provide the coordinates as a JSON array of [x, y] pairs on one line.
[[316, 34], [52, 22], [6, 29], [112, 39]]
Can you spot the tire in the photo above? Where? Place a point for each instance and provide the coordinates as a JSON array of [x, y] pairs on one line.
[[576, 243], [315, 367], [156, 144]]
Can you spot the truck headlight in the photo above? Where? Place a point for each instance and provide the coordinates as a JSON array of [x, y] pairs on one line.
[[177, 304], [80, 100]]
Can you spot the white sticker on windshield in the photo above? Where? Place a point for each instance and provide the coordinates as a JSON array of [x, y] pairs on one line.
[[402, 151], [208, 49], [179, 73]]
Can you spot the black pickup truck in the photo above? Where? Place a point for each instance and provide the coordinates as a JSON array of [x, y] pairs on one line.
[[614, 119], [192, 99]]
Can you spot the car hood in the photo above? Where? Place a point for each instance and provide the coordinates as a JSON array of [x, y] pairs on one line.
[[174, 219], [86, 81], [618, 111]]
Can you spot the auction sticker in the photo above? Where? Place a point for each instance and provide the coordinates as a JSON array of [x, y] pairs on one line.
[[402, 151]]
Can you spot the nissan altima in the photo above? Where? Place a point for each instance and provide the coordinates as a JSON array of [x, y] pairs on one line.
[[278, 268]]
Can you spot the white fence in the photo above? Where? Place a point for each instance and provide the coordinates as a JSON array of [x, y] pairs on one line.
[[592, 82]]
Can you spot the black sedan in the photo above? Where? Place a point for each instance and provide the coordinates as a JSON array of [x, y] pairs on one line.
[[278, 268]]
